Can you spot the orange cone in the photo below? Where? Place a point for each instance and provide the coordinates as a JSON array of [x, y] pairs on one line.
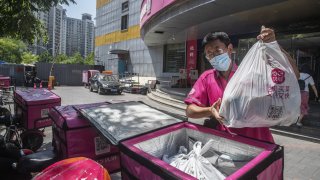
[[41, 85], [34, 86]]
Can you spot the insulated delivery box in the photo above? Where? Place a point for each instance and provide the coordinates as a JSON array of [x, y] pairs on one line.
[[146, 136], [32, 106], [73, 136]]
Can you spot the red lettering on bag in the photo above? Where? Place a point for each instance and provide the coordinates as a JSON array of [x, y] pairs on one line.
[[277, 76]]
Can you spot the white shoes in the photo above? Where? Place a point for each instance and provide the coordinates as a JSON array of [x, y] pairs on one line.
[[299, 124]]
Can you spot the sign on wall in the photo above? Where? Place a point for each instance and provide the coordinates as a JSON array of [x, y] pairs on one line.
[[191, 55]]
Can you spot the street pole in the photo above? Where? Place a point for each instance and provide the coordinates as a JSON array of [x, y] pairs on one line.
[[52, 78]]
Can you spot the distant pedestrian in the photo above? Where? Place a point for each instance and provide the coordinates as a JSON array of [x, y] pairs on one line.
[[304, 82]]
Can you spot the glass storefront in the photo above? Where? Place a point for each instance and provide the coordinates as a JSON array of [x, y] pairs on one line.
[[174, 58], [304, 48]]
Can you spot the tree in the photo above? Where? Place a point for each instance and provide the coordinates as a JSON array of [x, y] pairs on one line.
[[17, 18], [29, 58], [89, 60], [62, 59], [76, 59], [11, 50], [45, 57]]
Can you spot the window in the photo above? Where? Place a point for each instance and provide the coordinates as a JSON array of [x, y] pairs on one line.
[[125, 6], [174, 57], [124, 22]]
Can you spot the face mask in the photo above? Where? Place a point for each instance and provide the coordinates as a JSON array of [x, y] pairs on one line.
[[221, 62]]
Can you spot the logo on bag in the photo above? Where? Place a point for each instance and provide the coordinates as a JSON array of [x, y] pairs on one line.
[[279, 92], [277, 76]]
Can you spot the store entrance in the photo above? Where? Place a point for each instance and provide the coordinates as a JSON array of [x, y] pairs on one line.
[[304, 48]]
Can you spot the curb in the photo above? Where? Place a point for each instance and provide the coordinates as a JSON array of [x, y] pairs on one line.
[[295, 135]]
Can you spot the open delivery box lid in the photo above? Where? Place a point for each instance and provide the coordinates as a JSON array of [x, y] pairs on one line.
[[122, 121]]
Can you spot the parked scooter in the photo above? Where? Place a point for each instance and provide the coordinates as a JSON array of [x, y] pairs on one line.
[[31, 79], [17, 160], [16, 163]]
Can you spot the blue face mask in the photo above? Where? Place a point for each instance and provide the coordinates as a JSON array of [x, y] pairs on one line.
[[221, 62]]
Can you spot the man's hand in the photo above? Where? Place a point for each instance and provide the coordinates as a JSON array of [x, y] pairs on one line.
[[215, 111], [266, 35]]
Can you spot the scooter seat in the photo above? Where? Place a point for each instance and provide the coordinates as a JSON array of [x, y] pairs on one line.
[[36, 162]]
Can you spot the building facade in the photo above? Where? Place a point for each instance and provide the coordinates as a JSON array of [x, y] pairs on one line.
[[79, 35], [170, 31], [65, 35], [118, 45], [74, 35], [39, 46], [63, 47], [88, 36], [55, 30]]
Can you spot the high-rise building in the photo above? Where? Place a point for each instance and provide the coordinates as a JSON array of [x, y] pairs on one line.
[[55, 30], [39, 46], [74, 36], [88, 30], [65, 35], [79, 35]]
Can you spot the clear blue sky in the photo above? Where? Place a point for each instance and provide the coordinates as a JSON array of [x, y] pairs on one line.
[[82, 6]]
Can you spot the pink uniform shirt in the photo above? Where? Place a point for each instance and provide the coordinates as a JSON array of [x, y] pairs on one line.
[[208, 89]]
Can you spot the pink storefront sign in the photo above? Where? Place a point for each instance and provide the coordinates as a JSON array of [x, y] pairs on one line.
[[33, 106], [73, 136], [149, 8]]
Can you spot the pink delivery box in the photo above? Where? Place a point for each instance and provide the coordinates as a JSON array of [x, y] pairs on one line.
[[141, 157], [4, 82], [73, 136], [32, 106]]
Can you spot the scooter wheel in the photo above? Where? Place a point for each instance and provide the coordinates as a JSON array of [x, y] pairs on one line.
[[32, 139]]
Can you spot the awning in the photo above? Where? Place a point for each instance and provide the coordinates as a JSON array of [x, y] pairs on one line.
[[118, 51]]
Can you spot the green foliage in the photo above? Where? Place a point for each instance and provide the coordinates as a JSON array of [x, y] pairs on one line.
[[45, 57], [17, 18], [89, 60], [61, 58], [75, 59], [11, 50], [29, 58]]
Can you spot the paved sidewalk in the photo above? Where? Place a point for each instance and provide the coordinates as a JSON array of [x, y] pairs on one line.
[[311, 124], [302, 158]]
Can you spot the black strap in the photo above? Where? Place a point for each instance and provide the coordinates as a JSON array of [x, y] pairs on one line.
[[307, 78]]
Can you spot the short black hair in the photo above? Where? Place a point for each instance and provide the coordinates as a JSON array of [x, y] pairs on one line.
[[305, 68], [212, 36]]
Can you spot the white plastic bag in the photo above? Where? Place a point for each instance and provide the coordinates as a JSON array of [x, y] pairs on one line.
[[196, 165], [264, 90]]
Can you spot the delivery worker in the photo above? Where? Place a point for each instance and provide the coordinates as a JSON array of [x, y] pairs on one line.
[[204, 98]]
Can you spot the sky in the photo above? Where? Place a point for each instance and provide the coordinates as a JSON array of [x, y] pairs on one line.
[[82, 6]]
